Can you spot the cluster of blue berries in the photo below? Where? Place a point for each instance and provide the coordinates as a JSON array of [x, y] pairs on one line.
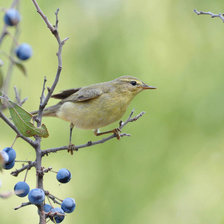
[[36, 196], [12, 18]]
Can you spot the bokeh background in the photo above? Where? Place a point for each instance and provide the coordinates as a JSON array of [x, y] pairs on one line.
[[171, 169]]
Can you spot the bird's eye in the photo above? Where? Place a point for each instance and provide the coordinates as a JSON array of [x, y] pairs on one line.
[[134, 83]]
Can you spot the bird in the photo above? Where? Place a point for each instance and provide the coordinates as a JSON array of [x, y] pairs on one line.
[[97, 105]]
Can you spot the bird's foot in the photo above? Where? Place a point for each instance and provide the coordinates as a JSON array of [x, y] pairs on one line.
[[117, 132], [71, 148]]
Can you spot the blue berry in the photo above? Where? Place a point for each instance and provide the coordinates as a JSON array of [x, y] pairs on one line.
[[11, 153], [12, 17], [23, 51], [47, 207], [68, 205], [36, 196], [9, 165], [21, 189], [58, 218], [63, 175]]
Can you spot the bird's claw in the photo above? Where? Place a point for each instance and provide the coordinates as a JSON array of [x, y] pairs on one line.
[[117, 132]]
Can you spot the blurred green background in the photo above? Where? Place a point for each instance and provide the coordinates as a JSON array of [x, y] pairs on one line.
[[171, 169]]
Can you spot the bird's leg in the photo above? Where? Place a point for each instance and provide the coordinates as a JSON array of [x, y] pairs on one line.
[[116, 131], [71, 147]]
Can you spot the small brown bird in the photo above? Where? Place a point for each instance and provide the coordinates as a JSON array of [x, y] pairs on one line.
[[97, 105]]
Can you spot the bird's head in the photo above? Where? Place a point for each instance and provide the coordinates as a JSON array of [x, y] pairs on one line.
[[131, 85]]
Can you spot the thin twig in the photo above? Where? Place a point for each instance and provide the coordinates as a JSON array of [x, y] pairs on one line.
[[25, 175], [42, 97], [3, 33], [54, 31], [220, 15], [39, 169], [17, 96], [11, 61], [91, 143], [46, 170], [53, 198], [52, 215], [44, 17], [56, 22], [19, 101], [23, 205], [23, 161], [14, 141], [26, 167]]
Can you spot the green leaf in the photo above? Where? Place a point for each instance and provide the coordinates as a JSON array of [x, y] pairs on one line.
[[21, 67], [21, 119]]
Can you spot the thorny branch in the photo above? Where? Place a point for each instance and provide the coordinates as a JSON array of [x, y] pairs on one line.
[[54, 30], [22, 205], [44, 100], [19, 101], [90, 143], [53, 198], [220, 15], [25, 167]]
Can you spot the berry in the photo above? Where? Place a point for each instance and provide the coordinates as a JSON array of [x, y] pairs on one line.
[[68, 205], [63, 175], [58, 218], [21, 189], [23, 51], [4, 156], [36, 196], [47, 207], [12, 17], [9, 165], [11, 153]]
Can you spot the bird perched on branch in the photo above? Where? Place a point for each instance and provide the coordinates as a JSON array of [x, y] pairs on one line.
[[97, 105]]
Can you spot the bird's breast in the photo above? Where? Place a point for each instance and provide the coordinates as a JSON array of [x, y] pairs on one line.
[[95, 113]]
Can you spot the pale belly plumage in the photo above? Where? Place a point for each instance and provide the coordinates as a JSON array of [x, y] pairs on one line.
[[92, 115]]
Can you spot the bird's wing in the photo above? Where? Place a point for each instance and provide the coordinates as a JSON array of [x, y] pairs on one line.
[[66, 93], [84, 94]]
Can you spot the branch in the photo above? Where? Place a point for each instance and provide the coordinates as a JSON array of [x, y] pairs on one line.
[[44, 17], [53, 198], [22, 205], [54, 31], [19, 101], [9, 123], [90, 143], [3, 33], [220, 15], [44, 100], [26, 167]]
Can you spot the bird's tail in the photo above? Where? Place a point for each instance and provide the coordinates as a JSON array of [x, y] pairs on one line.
[[49, 111]]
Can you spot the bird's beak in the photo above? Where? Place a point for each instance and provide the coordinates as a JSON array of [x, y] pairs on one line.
[[145, 86]]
